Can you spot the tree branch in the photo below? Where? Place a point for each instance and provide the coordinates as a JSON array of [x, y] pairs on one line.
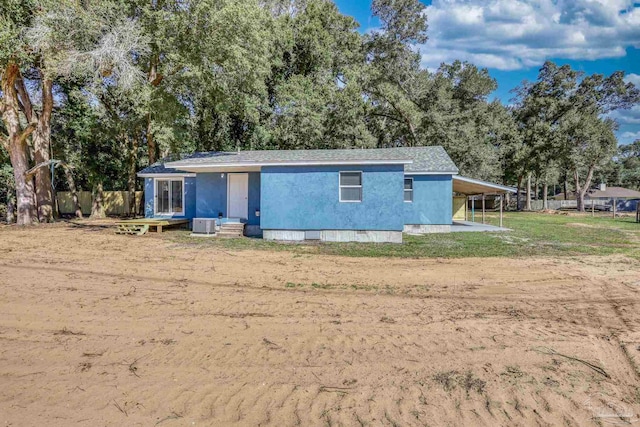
[[27, 131], [28, 174], [24, 100], [388, 116], [47, 99]]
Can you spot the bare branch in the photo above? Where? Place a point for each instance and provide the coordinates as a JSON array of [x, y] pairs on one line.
[[93, 45], [31, 172], [24, 99], [27, 132]]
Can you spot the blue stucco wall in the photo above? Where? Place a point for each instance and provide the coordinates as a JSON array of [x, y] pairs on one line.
[[307, 198], [189, 198], [432, 200], [148, 197], [254, 198], [211, 195], [190, 191]]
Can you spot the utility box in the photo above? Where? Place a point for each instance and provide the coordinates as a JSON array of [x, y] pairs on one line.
[[204, 226]]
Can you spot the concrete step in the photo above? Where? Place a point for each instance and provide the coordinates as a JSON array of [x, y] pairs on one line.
[[233, 226], [231, 230]]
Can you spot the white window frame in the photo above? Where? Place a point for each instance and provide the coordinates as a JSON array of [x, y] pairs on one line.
[[404, 190], [340, 187], [155, 197]]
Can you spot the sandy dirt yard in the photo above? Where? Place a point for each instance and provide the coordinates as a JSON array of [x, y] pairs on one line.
[[98, 329]]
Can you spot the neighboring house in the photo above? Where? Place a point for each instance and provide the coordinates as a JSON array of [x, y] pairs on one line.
[[368, 195], [624, 199]]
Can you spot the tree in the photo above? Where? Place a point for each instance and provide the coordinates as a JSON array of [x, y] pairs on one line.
[[15, 16], [45, 41], [562, 117], [393, 71], [589, 143], [314, 90], [629, 161]]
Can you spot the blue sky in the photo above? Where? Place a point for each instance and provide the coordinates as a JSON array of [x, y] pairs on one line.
[[512, 38]]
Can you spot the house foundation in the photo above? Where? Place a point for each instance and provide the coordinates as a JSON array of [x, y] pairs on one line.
[[361, 236], [427, 228]]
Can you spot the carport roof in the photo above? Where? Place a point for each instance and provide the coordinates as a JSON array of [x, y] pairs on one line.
[[470, 186]]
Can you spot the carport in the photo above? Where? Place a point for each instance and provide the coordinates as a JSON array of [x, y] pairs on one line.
[[472, 188]]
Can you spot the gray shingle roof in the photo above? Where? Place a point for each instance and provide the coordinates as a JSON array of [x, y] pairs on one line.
[[159, 168], [614, 192], [424, 159]]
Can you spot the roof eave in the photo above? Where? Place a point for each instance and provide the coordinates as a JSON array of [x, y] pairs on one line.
[[201, 165], [432, 172], [165, 175]]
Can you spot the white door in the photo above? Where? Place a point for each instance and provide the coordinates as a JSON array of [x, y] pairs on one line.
[[238, 195]]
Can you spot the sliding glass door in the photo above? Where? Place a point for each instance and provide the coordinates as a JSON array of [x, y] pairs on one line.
[[169, 197]]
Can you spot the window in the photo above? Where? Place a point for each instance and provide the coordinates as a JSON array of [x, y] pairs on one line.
[[350, 186], [408, 189], [169, 196]]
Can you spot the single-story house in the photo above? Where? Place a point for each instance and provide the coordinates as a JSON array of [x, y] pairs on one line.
[[619, 199], [370, 195]]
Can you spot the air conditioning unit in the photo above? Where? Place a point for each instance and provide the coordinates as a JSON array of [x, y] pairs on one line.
[[204, 226]]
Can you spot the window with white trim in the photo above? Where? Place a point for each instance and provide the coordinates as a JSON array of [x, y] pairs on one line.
[[350, 186], [169, 196], [408, 189]]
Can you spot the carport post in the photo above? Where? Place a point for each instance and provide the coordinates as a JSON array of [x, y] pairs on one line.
[[466, 208], [473, 208], [483, 208], [593, 211], [501, 211], [615, 202]]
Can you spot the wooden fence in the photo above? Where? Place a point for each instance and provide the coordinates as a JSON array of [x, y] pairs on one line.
[[116, 203]]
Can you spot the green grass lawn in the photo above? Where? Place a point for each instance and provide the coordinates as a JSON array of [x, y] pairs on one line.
[[532, 234]]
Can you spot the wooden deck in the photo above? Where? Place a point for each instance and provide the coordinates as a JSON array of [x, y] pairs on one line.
[[142, 225]]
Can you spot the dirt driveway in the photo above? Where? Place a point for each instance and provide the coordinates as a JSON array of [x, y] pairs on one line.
[[98, 329]]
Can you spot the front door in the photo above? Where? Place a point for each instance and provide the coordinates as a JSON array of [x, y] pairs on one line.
[[238, 195]]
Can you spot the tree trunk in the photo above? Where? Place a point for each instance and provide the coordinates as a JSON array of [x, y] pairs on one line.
[[581, 189], [518, 207], [528, 201], [154, 78], [71, 183], [133, 166], [42, 146], [151, 143], [565, 189], [97, 205], [16, 145], [11, 210], [536, 188], [545, 190], [27, 213]]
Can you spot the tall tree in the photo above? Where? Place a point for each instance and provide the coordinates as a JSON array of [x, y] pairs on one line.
[[629, 161], [15, 16], [48, 40], [562, 116]]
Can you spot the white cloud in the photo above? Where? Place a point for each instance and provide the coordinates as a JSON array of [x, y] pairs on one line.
[[628, 137], [514, 34], [633, 78], [627, 117]]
